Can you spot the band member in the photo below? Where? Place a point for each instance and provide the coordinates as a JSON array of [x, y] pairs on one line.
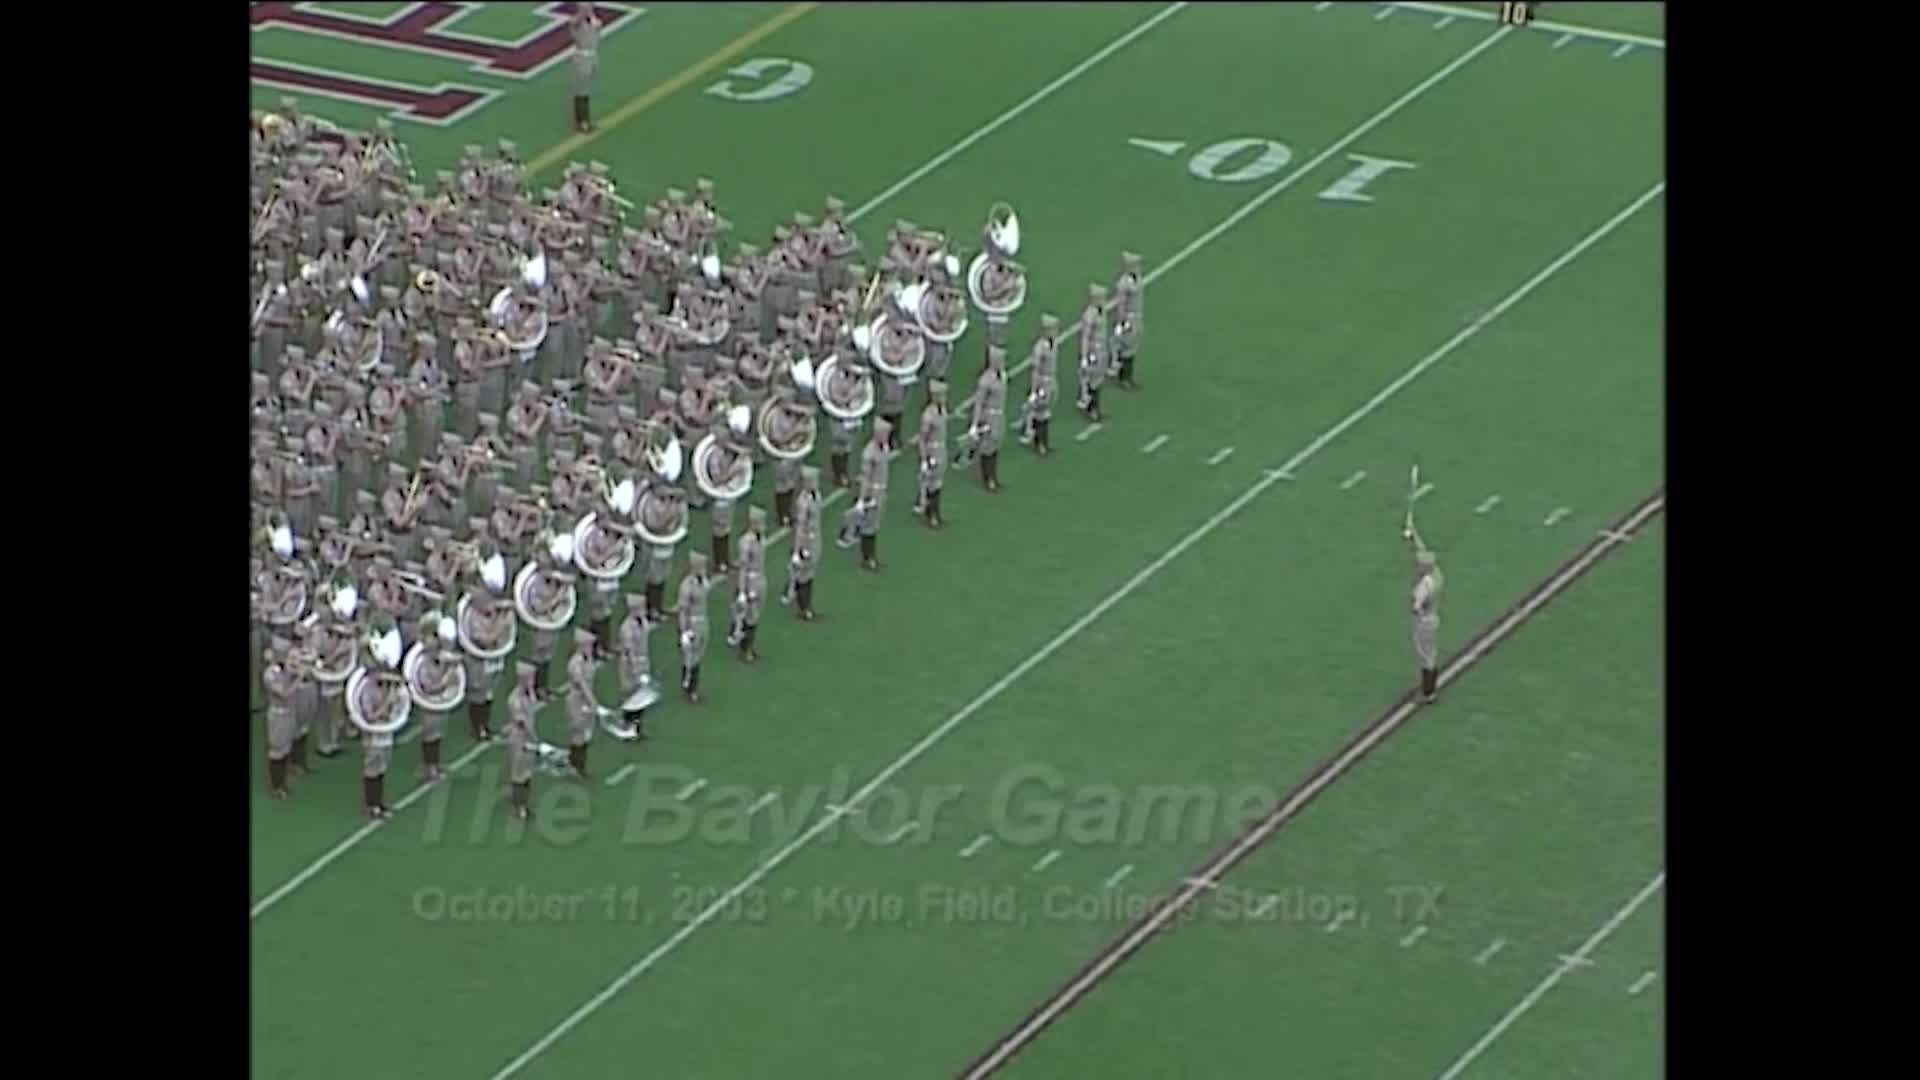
[[863, 518], [586, 48], [379, 693], [805, 560], [438, 667], [489, 623], [892, 403], [636, 661], [750, 585], [1094, 350], [335, 641], [283, 682], [1036, 414], [1126, 313], [604, 546], [1517, 14], [545, 596], [693, 623], [523, 739], [667, 504], [931, 441], [1427, 585], [583, 711], [989, 425]]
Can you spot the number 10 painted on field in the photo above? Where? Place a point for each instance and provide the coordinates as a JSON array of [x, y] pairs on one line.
[[1258, 158]]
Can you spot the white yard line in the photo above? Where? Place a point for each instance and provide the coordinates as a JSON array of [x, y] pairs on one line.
[[1538, 24], [1117, 876], [1220, 455], [1047, 860], [1383, 13], [1353, 481], [978, 842], [621, 773], [1323, 5], [1007, 117], [1156, 443], [1088, 432], [1487, 953], [928, 741], [1553, 978]]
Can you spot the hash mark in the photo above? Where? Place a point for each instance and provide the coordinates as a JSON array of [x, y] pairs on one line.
[[1640, 984], [1349, 482], [1220, 455], [901, 833], [1413, 935], [1158, 442], [1564, 38], [1625, 48], [766, 800], [1265, 906], [1323, 5], [1202, 883], [1570, 961], [1339, 921], [1559, 514], [1422, 491], [1087, 433], [1492, 501], [978, 843], [1046, 860], [1486, 954], [1442, 24], [620, 774], [1384, 12], [692, 789], [1615, 537], [1117, 876]]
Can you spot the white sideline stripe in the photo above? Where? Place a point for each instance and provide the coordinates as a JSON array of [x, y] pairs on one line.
[[1339, 920], [1554, 977], [1538, 24], [932, 738], [353, 839], [1564, 40], [1492, 501], [1264, 906], [1445, 21], [1007, 117], [1421, 492], [1559, 514], [1623, 50], [1093, 973], [621, 774]]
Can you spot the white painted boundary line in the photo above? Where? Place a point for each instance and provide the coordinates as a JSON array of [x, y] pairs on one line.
[[763, 802], [1553, 978], [1035, 659], [1007, 117], [1550, 27], [1096, 971], [354, 838]]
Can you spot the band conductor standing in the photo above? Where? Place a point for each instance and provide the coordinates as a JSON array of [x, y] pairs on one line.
[[586, 56]]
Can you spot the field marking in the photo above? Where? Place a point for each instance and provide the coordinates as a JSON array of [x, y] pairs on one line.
[[1640, 984], [624, 113], [1220, 455], [971, 849], [1163, 148], [1338, 921], [1413, 936], [627, 111], [1156, 443], [1353, 481], [1087, 432], [1445, 21], [1271, 192], [1592, 32], [1491, 502], [1574, 961], [1323, 5], [1559, 515], [1264, 906], [913, 753], [1615, 536], [1564, 40], [1117, 876], [766, 800], [692, 789], [1323, 777], [621, 774], [1047, 860], [1553, 978], [1421, 492], [1487, 953], [1004, 118], [1623, 50], [902, 832], [1384, 13]]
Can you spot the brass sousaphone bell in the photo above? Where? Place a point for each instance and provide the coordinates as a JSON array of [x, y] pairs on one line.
[[1002, 244], [793, 443]]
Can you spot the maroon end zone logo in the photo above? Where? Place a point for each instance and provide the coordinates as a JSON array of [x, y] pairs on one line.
[[417, 29]]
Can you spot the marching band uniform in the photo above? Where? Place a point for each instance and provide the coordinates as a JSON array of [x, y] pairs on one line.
[[931, 442], [523, 739], [1036, 415], [990, 416], [1094, 351], [893, 402], [582, 709], [693, 624], [489, 624], [438, 667], [282, 682], [750, 587], [1427, 584], [1126, 310], [863, 518], [636, 663], [805, 560]]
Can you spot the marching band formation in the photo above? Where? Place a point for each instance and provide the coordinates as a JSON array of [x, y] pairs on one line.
[[483, 409]]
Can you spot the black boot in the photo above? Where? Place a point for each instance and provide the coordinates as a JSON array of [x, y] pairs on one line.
[[1429, 684], [603, 636], [934, 520], [477, 720], [430, 759], [838, 463], [990, 470], [1093, 405], [582, 118], [655, 591], [1126, 374], [1042, 438], [299, 755], [870, 552], [747, 652], [634, 719], [893, 433], [718, 545], [804, 597], [783, 508], [540, 678], [520, 808], [693, 685], [577, 757], [277, 777]]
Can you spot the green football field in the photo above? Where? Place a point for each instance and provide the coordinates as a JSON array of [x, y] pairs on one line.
[[1156, 683]]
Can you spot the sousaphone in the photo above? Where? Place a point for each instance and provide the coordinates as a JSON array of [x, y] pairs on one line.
[[462, 614], [551, 621], [358, 339], [606, 574], [944, 328], [661, 515], [845, 389], [786, 428], [897, 348], [997, 284], [361, 709], [712, 472], [445, 701], [518, 310]]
